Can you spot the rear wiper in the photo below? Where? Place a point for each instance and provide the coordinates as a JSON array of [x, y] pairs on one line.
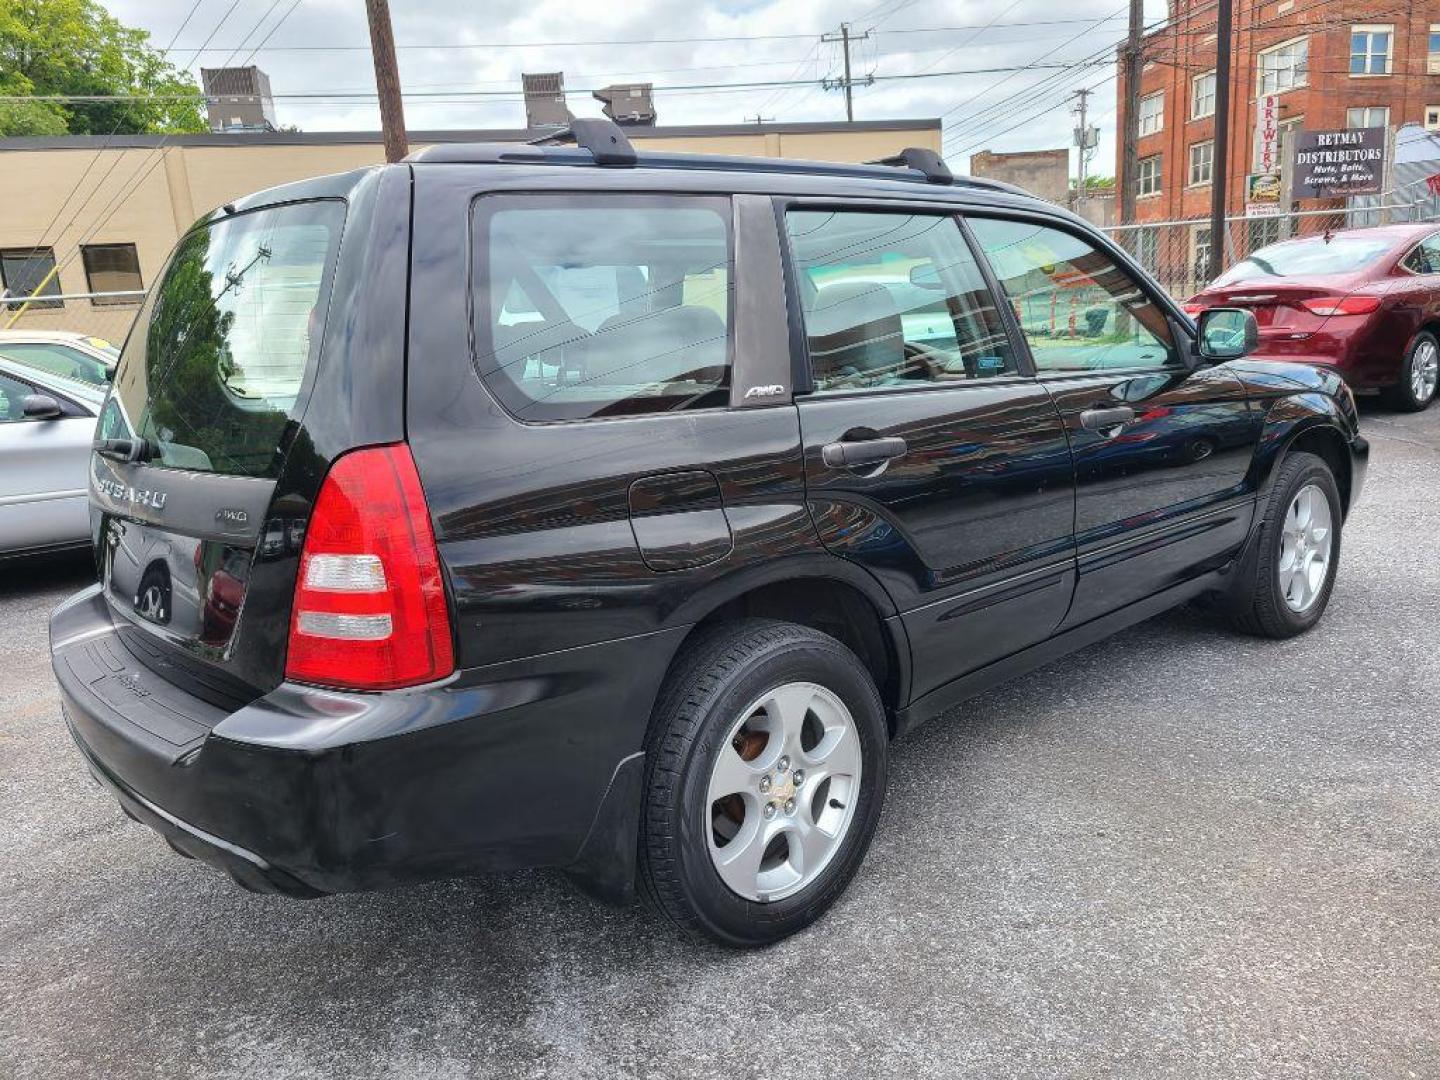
[[136, 449]]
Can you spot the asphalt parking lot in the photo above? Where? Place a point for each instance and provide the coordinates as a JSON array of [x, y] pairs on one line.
[[1178, 853]]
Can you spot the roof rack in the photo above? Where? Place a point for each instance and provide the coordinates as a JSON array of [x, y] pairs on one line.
[[603, 138], [922, 160], [592, 141]]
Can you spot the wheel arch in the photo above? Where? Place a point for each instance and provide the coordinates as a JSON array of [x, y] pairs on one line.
[[1306, 423], [825, 593]]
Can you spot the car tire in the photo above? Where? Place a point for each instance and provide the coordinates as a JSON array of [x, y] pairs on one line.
[[726, 717], [1419, 375], [1286, 579]]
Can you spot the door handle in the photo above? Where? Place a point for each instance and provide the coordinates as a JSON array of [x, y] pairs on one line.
[[1101, 419], [845, 455]]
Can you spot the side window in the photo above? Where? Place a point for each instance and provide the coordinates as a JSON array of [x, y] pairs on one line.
[[58, 360], [893, 299], [13, 393], [592, 306], [1425, 258], [1079, 309]]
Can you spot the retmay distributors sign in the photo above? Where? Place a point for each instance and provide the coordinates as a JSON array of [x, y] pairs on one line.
[[1329, 164]]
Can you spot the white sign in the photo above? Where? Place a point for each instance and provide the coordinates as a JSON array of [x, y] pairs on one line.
[[1267, 134]]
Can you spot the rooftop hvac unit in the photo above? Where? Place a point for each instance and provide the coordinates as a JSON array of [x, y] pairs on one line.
[[628, 103], [545, 100]]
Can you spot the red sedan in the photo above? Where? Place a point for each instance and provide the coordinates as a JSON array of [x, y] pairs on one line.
[[1365, 302]]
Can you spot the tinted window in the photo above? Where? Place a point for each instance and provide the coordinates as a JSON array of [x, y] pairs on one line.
[[1080, 310], [602, 306], [893, 300], [1313, 255], [112, 268], [56, 359], [23, 270], [211, 370]]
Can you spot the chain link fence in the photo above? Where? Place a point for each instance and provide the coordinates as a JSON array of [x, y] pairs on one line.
[[105, 315], [1177, 253]]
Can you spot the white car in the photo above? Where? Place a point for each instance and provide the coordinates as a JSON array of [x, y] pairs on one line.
[[82, 357], [47, 424]]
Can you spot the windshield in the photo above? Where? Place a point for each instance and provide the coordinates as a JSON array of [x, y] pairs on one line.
[[211, 372], [1315, 255], [57, 359]]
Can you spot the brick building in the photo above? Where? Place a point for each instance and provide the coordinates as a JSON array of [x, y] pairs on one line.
[[1333, 64]]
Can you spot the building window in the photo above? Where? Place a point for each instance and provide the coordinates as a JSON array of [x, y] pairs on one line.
[[1284, 67], [1262, 232], [1200, 246], [1202, 162], [1152, 113], [1147, 249], [1432, 51], [1202, 96], [1432, 117], [1367, 116], [1149, 174], [112, 268], [1370, 49], [22, 270]]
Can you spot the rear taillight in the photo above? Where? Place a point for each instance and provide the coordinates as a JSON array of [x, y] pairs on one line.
[[370, 611], [1191, 308], [1341, 305]]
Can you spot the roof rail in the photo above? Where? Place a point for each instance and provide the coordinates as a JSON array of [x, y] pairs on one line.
[[922, 160], [603, 138]]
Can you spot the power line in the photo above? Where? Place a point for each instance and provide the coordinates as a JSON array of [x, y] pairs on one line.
[[450, 46], [362, 95]]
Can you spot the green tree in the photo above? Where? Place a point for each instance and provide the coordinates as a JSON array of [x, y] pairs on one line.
[[75, 47]]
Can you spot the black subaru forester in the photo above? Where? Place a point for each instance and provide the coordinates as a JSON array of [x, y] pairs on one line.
[[557, 505]]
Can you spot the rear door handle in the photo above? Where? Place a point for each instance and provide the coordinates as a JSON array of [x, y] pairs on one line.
[[845, 455], [1101, 419]]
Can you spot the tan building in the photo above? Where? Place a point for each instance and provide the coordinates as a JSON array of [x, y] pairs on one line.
[[109, 210]]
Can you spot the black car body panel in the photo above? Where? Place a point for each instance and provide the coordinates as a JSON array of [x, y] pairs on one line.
[[579, 554]]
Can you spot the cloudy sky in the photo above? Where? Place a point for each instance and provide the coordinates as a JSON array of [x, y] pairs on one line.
[[1009, 99]]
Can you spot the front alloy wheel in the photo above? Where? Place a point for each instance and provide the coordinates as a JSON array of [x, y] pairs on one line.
[[1305, 545]]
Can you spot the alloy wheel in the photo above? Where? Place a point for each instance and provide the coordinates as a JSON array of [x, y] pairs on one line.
[[1307, 540], [1424, 371], [782, 791]]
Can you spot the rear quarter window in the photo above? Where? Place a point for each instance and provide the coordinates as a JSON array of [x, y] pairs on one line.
[[211, 373], [597, 306]]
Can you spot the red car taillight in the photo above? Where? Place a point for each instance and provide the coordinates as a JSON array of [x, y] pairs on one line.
[[1191, 308], [1341, 305], [370, 610]]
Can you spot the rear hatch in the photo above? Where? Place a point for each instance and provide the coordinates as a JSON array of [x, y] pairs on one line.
[[196, 554]]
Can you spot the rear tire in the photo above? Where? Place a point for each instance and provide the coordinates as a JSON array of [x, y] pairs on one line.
[[1419, 375], [747, 706], [1286, 581]]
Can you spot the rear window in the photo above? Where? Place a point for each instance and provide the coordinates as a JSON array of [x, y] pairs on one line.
[[211, 371], [57, 360], [602, 306], [1339, 255]]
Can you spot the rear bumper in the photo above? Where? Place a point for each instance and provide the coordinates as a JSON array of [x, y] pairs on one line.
[[307, 791]]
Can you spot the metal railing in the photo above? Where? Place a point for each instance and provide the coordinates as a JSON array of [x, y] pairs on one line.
[[102, 314]]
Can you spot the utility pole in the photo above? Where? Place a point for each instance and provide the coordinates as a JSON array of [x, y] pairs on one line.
[[1129, 153], [1221, 164], [1083, 142], [847, 83], [758, 119], [387, 80]]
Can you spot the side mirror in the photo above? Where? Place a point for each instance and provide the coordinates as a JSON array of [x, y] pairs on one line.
[[925, 276], [1226, 334], [41, 407]]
